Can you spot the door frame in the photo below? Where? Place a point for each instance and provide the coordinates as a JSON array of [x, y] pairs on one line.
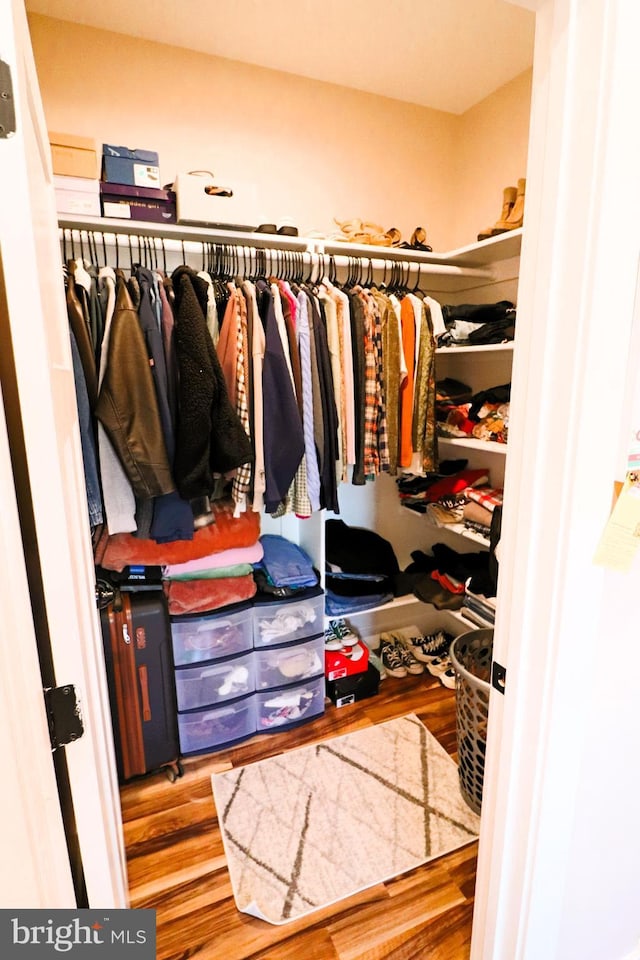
[[575, 337], [44, 413], [540, 590]]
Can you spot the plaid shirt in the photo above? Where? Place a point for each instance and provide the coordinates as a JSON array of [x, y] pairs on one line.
[[242, 480], [489, 497], [376, 442]]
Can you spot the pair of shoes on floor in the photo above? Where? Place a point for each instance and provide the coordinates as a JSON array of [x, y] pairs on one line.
[[433, 651], [512, 214], [397, 658], [442, 668]]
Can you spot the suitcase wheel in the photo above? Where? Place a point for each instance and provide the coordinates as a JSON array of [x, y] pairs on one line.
[[174, 772]]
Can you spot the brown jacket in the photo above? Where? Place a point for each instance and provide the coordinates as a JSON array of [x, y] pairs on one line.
[[127, 406]]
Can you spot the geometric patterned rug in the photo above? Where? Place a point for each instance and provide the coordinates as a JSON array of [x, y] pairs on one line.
[[314, 825]]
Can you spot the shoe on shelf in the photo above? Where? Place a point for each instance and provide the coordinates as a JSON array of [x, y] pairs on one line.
[[409, 661], [392, 660], [331, 640], [433, 645], [509, 195], [516, 215], [343, 631]]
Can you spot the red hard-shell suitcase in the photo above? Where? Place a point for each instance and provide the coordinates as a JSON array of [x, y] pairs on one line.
[[137, 644]]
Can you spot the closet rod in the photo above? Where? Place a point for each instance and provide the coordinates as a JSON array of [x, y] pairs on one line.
[[175, 238]]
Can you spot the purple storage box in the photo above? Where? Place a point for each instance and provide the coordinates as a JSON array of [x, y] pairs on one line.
[[137, 203]]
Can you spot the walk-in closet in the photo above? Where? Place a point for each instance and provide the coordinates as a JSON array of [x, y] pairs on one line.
[[402, 315]]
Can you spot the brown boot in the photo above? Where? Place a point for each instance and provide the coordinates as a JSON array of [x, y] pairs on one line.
[[508, 199], [516, 216]]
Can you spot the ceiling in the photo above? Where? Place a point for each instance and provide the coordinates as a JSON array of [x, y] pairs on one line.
[[445, 54]]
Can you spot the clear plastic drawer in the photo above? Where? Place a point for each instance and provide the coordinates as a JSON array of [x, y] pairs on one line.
[[215, 682], [287, 621], [213, 728], [211, 636], [288, 706], [288, 664]]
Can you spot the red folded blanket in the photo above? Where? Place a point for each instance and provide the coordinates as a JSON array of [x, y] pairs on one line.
[[199, 596], [123, 549]]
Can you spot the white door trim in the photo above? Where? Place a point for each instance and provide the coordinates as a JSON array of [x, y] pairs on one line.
[[42, 356], [566, 446]]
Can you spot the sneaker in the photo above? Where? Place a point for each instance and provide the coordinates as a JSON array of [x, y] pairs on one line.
[[376, 662], [439, 665], [392, 660], [448, 678], [408, 660], [331, 640], [343, 631], [434, 645]]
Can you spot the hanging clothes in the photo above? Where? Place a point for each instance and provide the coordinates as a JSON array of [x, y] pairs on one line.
[[210, 437], [127, 406], [283, 437]]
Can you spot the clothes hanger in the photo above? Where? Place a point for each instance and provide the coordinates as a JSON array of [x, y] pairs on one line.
[[80, 274]]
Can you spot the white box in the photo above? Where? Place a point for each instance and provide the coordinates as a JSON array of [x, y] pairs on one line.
[[77, 196], [196, 205]]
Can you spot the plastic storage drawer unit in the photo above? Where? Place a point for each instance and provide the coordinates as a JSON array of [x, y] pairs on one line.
[[288, 706], [209, 637], [297, 618], [213, 728], [214, 682], [288, 663]]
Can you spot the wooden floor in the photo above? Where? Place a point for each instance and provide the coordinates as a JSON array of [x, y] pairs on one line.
[[177, 865]]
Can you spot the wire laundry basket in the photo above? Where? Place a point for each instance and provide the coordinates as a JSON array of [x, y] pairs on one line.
[[471, 655]]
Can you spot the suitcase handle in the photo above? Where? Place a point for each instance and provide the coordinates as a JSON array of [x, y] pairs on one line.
[[144, 689]]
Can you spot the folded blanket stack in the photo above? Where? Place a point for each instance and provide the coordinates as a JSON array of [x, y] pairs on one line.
[[213, 570]]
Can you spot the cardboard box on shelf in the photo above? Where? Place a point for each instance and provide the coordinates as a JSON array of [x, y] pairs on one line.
[[73, 156]]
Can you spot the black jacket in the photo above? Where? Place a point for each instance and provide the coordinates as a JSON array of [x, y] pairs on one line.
[[210, 437]]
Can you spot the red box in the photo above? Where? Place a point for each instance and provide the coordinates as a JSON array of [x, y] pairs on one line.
[[338, 665]]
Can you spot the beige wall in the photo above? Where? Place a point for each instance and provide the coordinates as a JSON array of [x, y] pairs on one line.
[[315, 150], [491, 148]]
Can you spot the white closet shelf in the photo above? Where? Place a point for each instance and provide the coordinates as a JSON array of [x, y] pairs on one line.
[[478, 348], [394, 604], [488, 446], [462, 531], [473, 261], [469, 624], [503, 247]]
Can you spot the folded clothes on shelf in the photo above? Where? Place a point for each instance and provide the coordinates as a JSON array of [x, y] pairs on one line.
[[472, 324], [337, 606], [285, 563]]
